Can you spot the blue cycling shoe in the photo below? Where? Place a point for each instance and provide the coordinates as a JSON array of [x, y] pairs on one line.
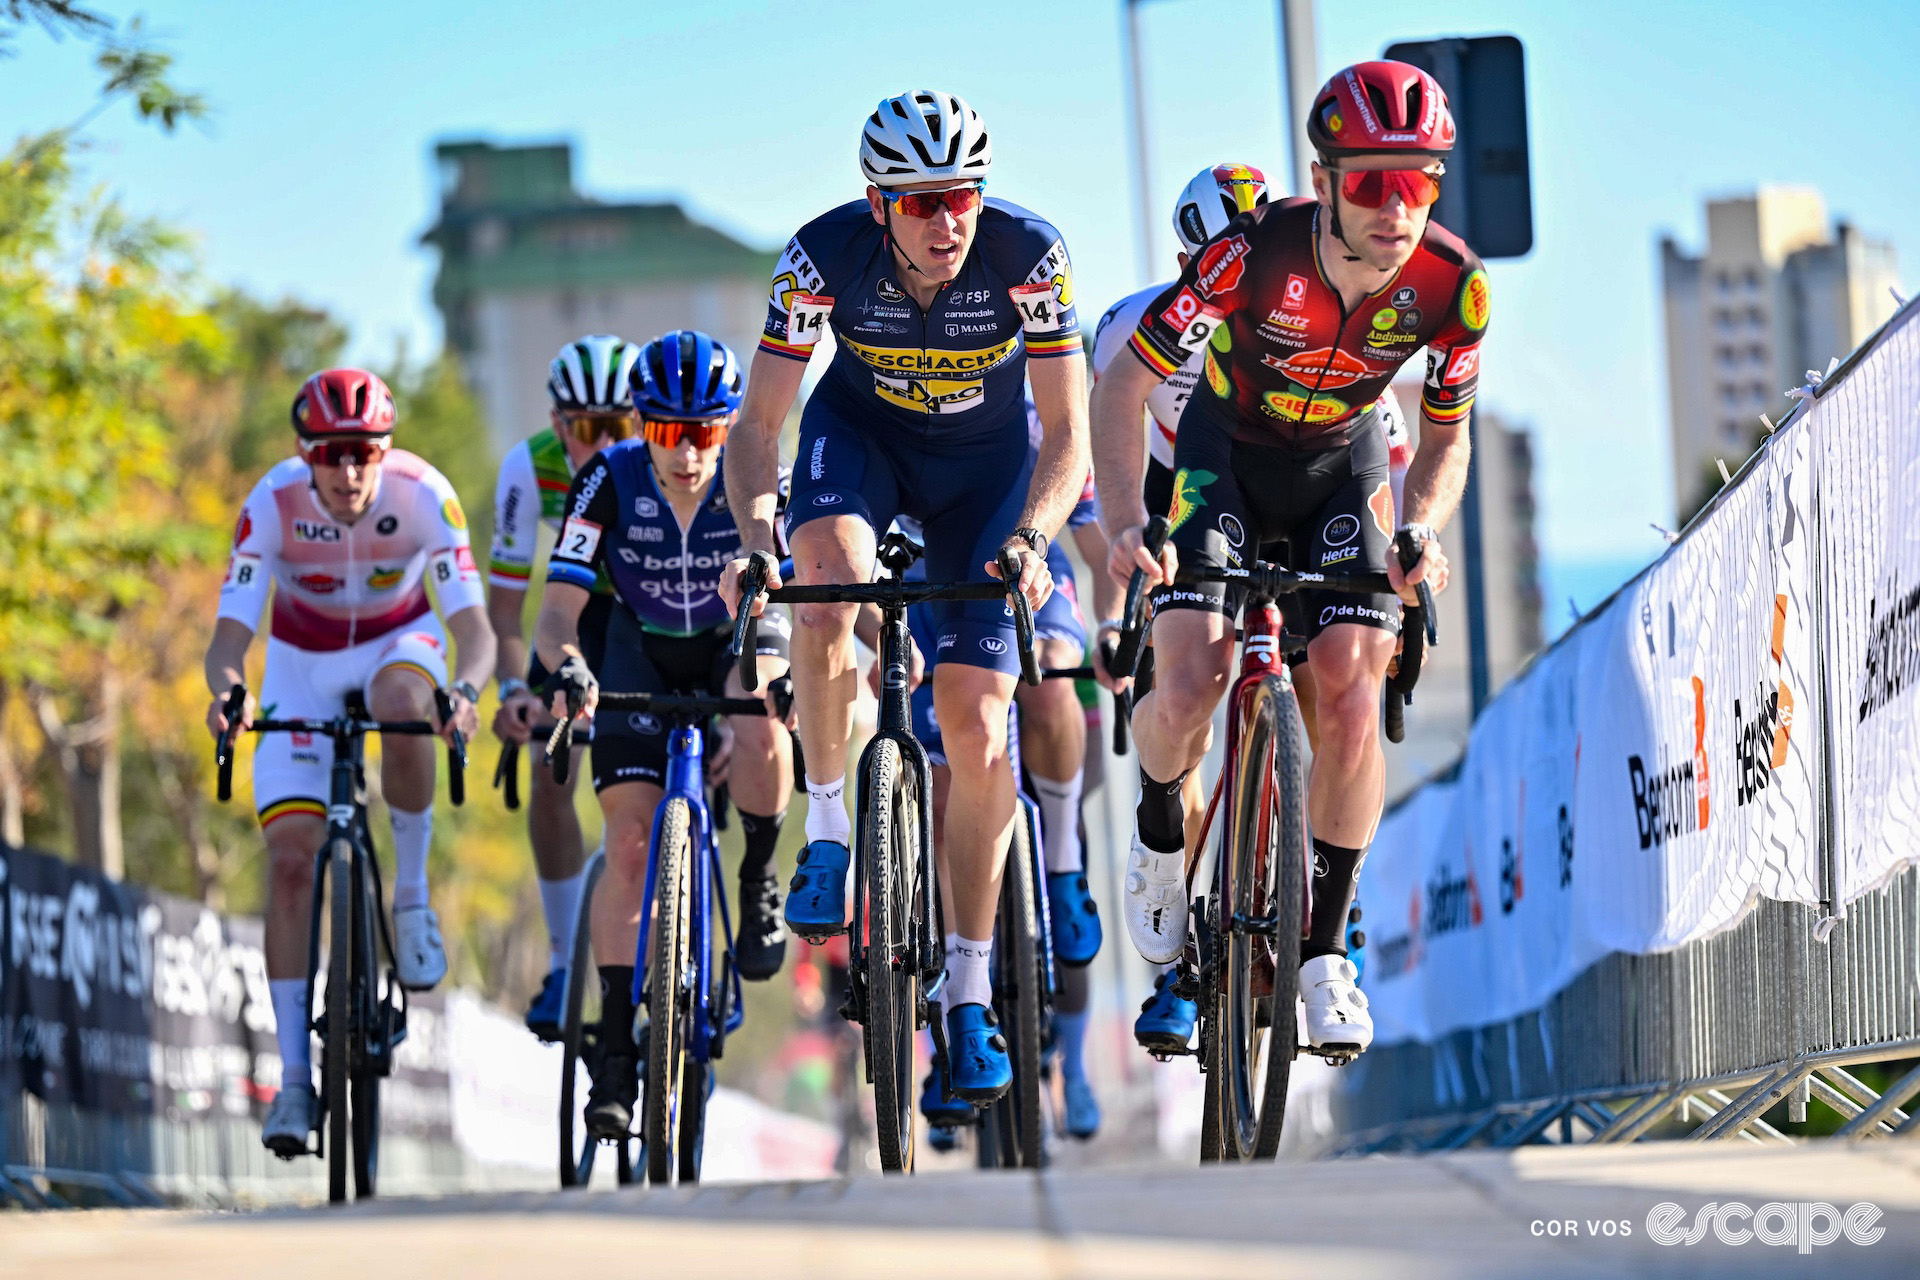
[[939, 1108], [1166, 1019], [977, 1053], [817, 897], [1083, 1109], [1076, 921], [544, 1014]]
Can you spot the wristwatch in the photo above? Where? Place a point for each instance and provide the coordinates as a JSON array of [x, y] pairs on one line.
[[1035, 539], [466, 690], [513, 685]]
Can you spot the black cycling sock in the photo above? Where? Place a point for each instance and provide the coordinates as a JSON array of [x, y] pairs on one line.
[[1335, 873], [616, 1007], [762, 834], [1162, 819]]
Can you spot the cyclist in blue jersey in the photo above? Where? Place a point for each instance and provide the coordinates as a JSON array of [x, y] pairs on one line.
[[652, 514], [943, 304]]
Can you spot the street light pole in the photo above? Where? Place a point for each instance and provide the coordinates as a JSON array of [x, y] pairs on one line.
[[1298, 81], [1142, 158]]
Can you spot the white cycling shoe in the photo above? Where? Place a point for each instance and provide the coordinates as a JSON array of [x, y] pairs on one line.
[[291, 1119], [419, 957], [1156, 907], [1337, 1014]]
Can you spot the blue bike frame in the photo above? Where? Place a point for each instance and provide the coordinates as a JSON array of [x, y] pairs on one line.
[[685, 782]]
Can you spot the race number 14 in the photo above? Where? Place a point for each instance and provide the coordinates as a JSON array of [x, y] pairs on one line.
[[1039, 310]]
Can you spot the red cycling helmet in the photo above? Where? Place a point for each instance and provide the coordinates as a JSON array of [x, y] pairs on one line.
[[339, 404], [1376, 107]]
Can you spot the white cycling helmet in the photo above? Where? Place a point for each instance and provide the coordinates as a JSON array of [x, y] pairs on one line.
[[1213, 199], [924, 136], [590, 374]]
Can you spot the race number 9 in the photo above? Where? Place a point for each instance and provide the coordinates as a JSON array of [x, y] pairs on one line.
[[1039, 309], [807, 318], [1194, 320]]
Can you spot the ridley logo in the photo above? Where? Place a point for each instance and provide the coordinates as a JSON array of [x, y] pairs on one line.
[[1222, 266]]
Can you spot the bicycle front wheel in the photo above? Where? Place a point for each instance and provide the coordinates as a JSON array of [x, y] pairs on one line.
[[667, 1003], [337, 1048], [578, 1038], [365, 1092], [890, 865], [1260, 881], [1024, 997]]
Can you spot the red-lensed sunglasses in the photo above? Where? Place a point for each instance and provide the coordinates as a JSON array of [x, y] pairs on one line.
[[924, 204], [668, 433], [338, 453], [1372, 188]]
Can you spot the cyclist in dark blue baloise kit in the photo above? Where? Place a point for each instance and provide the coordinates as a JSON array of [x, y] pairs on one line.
[[652, 514], [942, 304]]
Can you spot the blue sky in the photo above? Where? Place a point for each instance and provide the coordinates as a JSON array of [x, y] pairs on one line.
[[314, 178]]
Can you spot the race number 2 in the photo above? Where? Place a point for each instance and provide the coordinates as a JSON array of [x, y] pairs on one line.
[[579, 539], [1039, 309], [807, 318]]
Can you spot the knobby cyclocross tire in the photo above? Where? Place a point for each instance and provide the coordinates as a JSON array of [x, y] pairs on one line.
[[1020, 917], [1289, 905], [337, 1049], [365, 1093], [666, 999], [693, 1118], [577, 1146], [890, 862]]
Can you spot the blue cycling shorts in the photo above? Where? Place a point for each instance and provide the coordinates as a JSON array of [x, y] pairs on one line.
[[967, 496]]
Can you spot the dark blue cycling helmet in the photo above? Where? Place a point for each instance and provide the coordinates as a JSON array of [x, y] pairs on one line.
[[686, 374]]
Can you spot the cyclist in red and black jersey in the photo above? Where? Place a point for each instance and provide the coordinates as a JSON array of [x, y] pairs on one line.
[[1304, 310]]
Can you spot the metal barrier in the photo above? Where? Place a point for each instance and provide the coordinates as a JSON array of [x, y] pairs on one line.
[[1706, 1040]]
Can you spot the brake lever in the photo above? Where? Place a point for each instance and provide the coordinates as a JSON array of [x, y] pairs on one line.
[[746, 627], [223, 745], [1009, 564], [506, 774], [456, 750]]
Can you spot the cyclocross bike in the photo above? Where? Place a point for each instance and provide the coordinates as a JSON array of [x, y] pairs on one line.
[[693, 1002], [896, 948], [1242, 961], [366, 1007]]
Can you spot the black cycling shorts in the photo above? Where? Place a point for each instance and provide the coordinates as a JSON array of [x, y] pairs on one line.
[[631, 746], [1319, 510]]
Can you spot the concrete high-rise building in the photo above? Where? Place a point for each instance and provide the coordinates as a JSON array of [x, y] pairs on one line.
[[1776, 293], [528, 263], [1442, 709]]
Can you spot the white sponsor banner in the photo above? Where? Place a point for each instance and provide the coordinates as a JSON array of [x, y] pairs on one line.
[[1867, 442], [1638, 788]]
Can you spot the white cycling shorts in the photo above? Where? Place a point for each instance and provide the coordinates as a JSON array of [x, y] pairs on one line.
[[290, 770]]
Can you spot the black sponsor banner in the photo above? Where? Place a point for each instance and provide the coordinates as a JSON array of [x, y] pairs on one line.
[[120, 998]]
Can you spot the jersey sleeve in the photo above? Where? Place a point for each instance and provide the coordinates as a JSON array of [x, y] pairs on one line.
[[591, 511], [797, 309], [1036, 256], [1215, 282], [783, 498], [443, 534], [516, 521], [1453, 354], [1087, 510], [256, 545]]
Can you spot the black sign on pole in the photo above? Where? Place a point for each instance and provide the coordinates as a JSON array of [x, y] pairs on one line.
[[1487, 197]]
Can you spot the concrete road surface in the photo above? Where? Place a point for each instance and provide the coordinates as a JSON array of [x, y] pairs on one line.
[[1542, 1212]]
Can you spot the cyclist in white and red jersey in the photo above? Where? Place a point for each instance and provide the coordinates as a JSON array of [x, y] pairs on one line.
[[347, 535]]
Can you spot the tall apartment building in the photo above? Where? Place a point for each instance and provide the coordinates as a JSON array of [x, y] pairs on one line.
[[1776, 293], [528, 263], [1442, 709]]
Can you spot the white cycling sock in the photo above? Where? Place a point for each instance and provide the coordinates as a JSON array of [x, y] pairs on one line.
[[412, 834], [1059, 821], [827, 811], [969, 980], [560, 903], [290, 1018]]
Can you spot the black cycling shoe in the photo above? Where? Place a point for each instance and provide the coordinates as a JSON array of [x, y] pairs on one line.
[[761, 946], [616, 1088]]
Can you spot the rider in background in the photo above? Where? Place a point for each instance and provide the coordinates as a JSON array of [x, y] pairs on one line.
[[943, 304], [347, 534], [1303, 311], [587, 383], [652, 514]]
